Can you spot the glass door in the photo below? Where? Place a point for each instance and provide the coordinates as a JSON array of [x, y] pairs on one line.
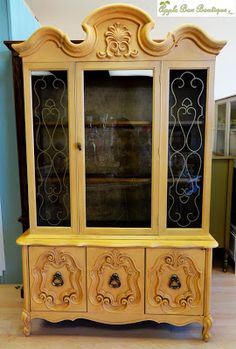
[[118, 107], [187, 110], [51, 147], [221, 124]]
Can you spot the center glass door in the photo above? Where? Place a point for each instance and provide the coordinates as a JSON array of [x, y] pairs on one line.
[[118, 147]]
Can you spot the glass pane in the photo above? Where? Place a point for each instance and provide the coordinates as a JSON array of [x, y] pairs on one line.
[[232, 136], [221, 124], [51, 148], [186, 148], [118, 133]]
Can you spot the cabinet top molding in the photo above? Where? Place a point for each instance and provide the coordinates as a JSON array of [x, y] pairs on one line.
[[118, 31]]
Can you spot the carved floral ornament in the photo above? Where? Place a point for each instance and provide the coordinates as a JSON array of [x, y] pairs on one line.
[[118, 39], [118, 36]]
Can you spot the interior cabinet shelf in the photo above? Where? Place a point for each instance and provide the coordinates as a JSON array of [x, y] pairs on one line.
[[118, 123], [184, 180], [50, 123], [184, 123], [103, 180]]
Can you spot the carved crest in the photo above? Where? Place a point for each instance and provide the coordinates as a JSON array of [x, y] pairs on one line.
[[118, 36], [117, 39]]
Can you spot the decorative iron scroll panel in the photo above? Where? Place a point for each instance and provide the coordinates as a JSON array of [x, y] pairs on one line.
[[118, 147], [51, 148], [187, 107]]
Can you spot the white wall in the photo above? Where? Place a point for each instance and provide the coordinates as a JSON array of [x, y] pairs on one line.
[[68, 15]]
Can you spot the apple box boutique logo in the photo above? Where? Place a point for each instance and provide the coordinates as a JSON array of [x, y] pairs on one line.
[[196, 8]]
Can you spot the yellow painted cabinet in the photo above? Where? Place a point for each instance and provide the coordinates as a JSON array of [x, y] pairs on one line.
[[118, 136]]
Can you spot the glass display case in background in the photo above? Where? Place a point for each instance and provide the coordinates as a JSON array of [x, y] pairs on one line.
[[225, 127], [225, 145]]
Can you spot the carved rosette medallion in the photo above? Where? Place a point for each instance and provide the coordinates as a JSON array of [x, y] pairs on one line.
[[117, 39], [44, 291], [101, 291], [174, 299]]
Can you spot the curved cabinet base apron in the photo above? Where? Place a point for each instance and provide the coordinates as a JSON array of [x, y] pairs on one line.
[[206, 321]]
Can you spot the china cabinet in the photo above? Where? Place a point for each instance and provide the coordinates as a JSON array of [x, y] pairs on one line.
[[118, 133]]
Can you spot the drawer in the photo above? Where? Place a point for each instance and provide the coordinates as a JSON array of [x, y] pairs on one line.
[[57, 278], [115, 280], [175, 281]]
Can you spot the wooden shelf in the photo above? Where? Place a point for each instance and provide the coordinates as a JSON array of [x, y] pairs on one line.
[[183, 180], [50, 123], [53, 179], [119, 123], [119, 224], [185, 123], [108, 180]]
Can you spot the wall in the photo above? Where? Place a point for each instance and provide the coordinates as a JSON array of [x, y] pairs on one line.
[[67, 15], [22, 23], [14, 18]]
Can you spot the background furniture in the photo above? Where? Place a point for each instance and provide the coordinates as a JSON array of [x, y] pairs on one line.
[[221, 199], [118, 128], [225, 144], [225, 126]]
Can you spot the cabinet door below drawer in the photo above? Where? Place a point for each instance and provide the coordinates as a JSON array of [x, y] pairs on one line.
[[57, 278], [175, 281], [115, 280]]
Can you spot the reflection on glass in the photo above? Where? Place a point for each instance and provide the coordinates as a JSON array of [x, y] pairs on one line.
[[221, 124], [118, 133], [50, 122], [186, 147]]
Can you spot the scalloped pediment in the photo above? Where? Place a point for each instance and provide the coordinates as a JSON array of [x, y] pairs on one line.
[[116, 32]]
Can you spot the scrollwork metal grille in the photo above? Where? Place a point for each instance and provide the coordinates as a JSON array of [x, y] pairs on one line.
[[186, 147], [50, 120]]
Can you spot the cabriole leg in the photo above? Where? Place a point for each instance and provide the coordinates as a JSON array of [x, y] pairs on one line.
[[207, 323], [27, 322]]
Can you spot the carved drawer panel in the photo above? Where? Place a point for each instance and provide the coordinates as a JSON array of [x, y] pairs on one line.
[[115, 280], [57, 278], [175, 281]]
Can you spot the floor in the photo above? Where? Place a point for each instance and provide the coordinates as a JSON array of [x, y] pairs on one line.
[[83, 334]]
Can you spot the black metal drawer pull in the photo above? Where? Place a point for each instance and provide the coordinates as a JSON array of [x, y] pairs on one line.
[[115, 281], [57, 279], [174, 282]]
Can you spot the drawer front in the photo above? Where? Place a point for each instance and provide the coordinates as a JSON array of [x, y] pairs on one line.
[[175, 281], [115, 280], [57, 278]]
